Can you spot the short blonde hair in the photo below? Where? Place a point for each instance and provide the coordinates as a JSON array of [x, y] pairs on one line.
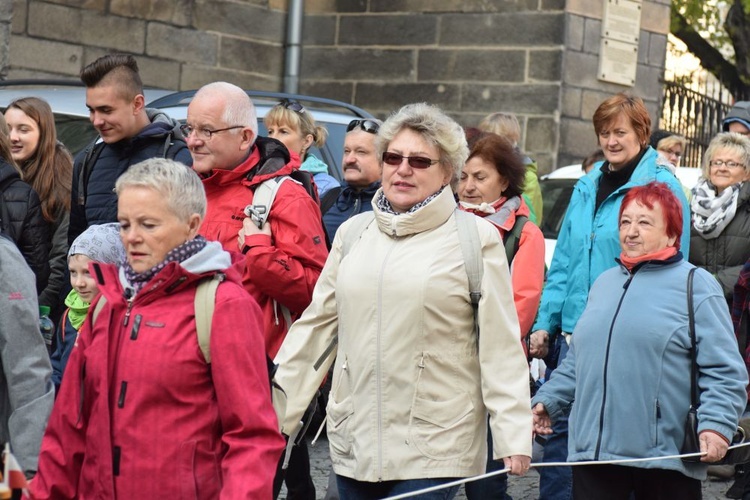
[[733, 142], [503, 124]]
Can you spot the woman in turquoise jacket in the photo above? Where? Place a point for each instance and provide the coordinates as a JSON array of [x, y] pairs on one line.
[[588, 244], [628, 368]]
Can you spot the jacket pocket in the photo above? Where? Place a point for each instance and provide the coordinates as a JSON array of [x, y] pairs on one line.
[[443, 430], [339, 416], [657, 420], [199, 471]]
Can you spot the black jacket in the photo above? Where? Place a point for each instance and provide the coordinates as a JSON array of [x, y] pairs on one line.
[[25, 224], [101, 201]]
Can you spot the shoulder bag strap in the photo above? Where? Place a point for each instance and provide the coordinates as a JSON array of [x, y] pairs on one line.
[[694, 400], [471, 248]]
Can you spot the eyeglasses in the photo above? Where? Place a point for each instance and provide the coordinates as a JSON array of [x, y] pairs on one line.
[[293, 105], [419, 162], [369, 126], [669, 152], [728, 164], [204, 133]]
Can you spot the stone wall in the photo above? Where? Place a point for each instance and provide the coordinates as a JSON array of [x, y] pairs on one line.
[[536, 58]]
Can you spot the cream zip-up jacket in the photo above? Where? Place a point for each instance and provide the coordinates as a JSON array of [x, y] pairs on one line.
[[411, 389]]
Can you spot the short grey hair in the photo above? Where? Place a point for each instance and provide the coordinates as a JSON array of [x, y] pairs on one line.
[[238, 107], [736, 143], [180, 185], [435, 127]]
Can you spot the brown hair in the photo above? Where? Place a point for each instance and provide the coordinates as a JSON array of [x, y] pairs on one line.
[[632, 107], [5, 153], [49, 170], [114, 69], [507, 160]]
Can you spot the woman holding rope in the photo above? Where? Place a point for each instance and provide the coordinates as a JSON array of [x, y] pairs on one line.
[[629, 365]]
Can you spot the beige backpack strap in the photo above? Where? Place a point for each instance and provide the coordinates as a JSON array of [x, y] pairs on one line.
[[205, 301], [97, 309]]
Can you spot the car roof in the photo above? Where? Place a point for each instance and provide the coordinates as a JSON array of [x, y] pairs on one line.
[[322, 109], [64, 96]]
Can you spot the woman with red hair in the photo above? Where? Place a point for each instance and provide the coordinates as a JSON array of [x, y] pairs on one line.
[[629, 365]]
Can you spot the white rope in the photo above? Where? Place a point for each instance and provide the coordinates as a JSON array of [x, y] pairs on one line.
[[461, 481]]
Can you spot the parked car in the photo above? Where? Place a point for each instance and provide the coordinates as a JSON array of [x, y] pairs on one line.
[[334, 115], [557, 188], [67, 98]]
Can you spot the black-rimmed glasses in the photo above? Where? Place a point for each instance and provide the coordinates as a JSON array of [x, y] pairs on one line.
[[419, 162], [370, 126], [204, 133]]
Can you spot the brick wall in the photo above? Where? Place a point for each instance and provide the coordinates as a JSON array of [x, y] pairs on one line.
[[536, 58]]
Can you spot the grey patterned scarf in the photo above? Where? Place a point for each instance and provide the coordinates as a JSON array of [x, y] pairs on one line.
[[385, 206], [177, 254], [712, 212]]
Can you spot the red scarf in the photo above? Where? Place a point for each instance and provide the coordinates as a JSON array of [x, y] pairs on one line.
[[663, 254]]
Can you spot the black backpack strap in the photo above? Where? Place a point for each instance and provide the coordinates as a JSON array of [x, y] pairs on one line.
[[328, 199], [512, 238], [87, 165]]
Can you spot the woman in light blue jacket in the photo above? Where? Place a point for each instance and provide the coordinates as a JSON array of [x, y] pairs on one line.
[[588, 244], [629, 365]]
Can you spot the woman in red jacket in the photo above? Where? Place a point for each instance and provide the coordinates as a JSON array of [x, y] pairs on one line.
[[490, 186], [142, 412]]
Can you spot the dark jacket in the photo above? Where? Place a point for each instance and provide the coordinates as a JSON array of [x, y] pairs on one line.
[[58, 264], [100, 204], [349, 203], [26, 225], [725, 255]]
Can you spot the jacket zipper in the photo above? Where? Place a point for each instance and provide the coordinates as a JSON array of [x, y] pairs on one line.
[[606, 367], [378, 373]]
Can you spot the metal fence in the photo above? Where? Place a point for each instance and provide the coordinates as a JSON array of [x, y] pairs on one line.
[[696, 114]]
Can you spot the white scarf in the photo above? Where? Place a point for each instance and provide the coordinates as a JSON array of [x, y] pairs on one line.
[[712, 212]]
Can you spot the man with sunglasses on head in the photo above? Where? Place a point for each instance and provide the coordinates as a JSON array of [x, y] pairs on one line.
[[128, 134], [361, 176]]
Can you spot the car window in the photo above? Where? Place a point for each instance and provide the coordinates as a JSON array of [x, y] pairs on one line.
[[556, 194]]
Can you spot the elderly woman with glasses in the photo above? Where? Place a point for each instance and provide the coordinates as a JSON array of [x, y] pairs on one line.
[[418, 368], [361, 168], [291, 124], [150, 407], [721, 210]]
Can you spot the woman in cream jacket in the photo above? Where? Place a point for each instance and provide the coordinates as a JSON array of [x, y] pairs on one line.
[[412, 384]]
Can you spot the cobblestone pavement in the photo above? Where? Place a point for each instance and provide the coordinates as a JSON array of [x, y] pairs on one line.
[[523, 488]]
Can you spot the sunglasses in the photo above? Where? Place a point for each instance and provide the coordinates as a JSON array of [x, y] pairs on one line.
[[369, 126], [419, 162], [293, 105]]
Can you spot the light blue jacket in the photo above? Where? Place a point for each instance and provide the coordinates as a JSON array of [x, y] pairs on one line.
[[628, 368], [589, 242], [323, 180]]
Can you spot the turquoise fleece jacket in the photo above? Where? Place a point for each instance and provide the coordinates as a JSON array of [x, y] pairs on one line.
[[628, 368], [323, 180], [589, 242]]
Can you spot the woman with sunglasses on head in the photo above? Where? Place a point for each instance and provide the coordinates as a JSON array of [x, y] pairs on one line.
[[413, 380], [720, 232], [291, 124], [48, 167]]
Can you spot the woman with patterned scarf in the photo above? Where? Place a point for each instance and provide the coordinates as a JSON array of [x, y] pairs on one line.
[[720, 206], [144, 412]]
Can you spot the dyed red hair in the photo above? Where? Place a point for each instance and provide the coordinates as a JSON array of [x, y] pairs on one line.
[[658, 192]]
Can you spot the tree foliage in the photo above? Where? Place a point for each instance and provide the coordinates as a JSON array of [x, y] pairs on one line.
[[718, 34]]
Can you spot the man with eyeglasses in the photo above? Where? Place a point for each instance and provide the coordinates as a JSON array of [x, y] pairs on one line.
[[738, 119], [128, 134], [361, 176], [284, 257]]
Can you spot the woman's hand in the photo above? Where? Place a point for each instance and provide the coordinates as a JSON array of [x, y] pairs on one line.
[[714, 445], [249, 229], [539, 344], [542, 422], [518, 464]]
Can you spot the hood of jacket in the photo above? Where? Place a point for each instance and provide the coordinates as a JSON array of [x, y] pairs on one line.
[[273, 160], [161, 123], [7, 171], [313, 165], [430, 216]]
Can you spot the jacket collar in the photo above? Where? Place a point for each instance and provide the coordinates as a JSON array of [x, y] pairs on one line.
[[430, 216]]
